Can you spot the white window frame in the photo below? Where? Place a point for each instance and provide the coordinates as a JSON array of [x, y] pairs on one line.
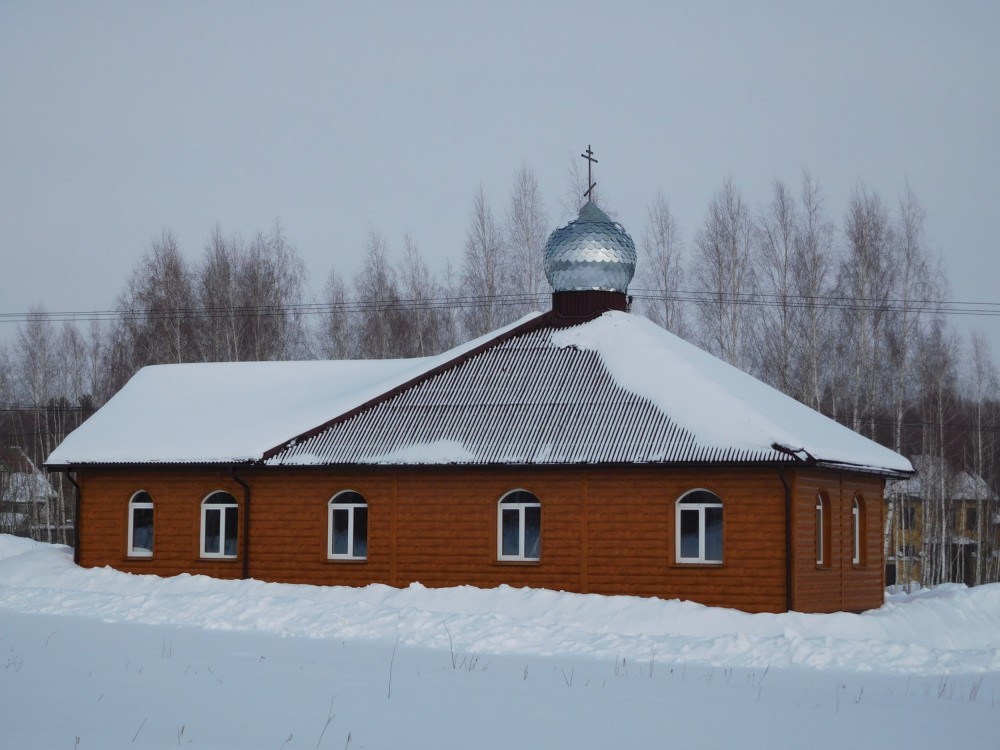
[[134, 505], [520, 506], [350, 506], [206, 505], [682, 504], [820, 530], [856, 531]]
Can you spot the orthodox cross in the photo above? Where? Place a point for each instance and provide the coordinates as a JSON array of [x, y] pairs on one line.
[[591, 161]]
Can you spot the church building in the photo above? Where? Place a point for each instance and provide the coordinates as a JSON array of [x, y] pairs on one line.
[[582, 449]]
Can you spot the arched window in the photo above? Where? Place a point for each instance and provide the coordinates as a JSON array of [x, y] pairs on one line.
[[348, 527], [699, 528], [220, 517], [519, 526], [857, 531], [140, 525]]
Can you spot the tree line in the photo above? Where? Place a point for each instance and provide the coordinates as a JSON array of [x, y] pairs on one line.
[[846, 314]]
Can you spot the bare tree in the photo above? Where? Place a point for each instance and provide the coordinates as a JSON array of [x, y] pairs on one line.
[[335, 328], [249, 298], [917, 285], [158, 312], [661, 271], [938, 404], [983, 387], [6, 376], [219, 299], [271, 280], [576, 185], [865, 283], [96, 363], [526, 234], [35, 359], [35, 382], [486, 274], [813, 261], [776, 279], [378, 326], [724, 275], [451, 317], [421, 317]]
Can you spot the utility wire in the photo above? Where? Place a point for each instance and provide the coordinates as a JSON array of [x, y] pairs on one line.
[[821, 302]]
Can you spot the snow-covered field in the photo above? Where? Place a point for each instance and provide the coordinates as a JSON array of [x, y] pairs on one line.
[[102, 659]]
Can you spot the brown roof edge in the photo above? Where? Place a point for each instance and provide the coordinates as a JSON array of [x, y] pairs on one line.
[[549, 319]]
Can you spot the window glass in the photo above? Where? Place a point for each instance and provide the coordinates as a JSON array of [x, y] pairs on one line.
[[361, 531], [140, 525], [511, 531], [232, 514], [142, 529], [690, 532], [713, 534], [532, 530], [213, 523], [340, 533]]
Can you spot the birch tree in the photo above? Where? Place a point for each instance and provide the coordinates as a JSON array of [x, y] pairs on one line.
[[377, 327], [486, 273], [938, 380], [35, 374], [915, 286], [776, 277], [271, 280], [983, 387], [335, 326], [724, 275], [814, 256], [526, 234], [661, 268], [158, 309], [865, 282], [421, 318], [221, 338]]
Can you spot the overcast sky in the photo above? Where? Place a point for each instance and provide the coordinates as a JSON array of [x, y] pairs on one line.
[[120, 119]]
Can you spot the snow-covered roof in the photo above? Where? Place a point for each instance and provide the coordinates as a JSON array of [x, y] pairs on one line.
[[935, 474], [20, 480], [230, 412], [26, 487], [615, 389]]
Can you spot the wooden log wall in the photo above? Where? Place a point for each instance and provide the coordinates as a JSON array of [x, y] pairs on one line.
[[838, 584], [607, 531]]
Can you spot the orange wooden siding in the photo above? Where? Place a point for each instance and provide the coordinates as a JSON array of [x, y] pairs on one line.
[[839, 584], [608, 531]]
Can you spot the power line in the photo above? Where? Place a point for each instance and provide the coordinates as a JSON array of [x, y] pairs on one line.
[[795, 301]]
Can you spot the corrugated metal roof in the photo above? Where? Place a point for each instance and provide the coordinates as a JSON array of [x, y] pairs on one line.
[[523, 401]]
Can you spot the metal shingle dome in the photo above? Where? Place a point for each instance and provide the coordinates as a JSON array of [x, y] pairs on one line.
[[591, 252]]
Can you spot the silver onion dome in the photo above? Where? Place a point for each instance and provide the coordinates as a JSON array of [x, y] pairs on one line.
[[591, 252]]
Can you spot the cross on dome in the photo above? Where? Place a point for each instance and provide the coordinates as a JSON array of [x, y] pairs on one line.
[[591, 161]]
